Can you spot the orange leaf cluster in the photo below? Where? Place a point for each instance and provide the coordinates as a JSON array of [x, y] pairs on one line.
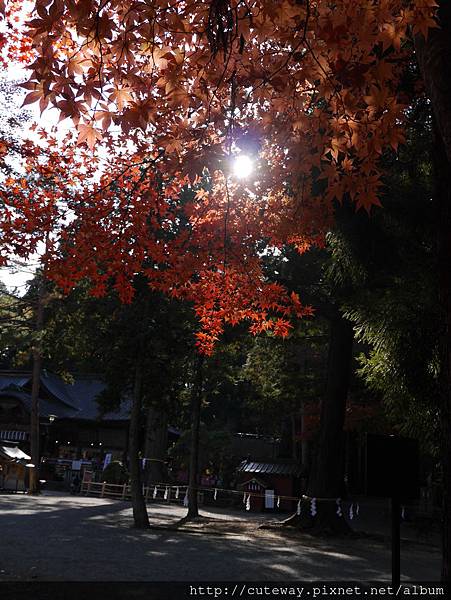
[[310, 89], [317, 80], [104, 221]]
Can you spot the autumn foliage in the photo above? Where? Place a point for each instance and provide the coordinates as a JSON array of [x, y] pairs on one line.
[[170, 92], [108, 218]]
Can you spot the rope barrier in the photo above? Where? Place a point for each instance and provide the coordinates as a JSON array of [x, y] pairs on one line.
[[303, 497], [166, 492]]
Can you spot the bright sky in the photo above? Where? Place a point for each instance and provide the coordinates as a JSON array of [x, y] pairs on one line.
[[17, 275]]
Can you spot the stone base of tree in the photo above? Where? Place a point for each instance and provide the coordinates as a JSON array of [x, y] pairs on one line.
[[190, 518], [325, 521], [140, 518]]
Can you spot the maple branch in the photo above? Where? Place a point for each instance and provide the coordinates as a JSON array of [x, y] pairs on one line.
[[129, 197], [100, 69], [226, 218], [150, 161], [307, 19], [216, 89], [290, 55]]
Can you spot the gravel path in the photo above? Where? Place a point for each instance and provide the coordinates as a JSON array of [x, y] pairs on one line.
[[56, 537]]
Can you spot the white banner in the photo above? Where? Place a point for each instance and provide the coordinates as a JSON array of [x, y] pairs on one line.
[[269, 498], [107, 460]]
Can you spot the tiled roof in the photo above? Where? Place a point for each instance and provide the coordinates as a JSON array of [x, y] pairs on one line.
[[83, 393], [46, 407], [57, 388], [273, 468], [65, 401], [13, 380]]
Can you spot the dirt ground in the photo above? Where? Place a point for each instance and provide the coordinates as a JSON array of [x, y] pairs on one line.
[[57, 537]]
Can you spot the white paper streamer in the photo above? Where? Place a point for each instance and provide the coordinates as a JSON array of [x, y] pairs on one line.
[[298, 508], [403, 512], [215, 494], [244, 498], [155, 492], [339, 510], [357, 509], [351, 511], [177, 493], [185, 499], [313, 510], [278, 501], [166, 493], [248, 502]]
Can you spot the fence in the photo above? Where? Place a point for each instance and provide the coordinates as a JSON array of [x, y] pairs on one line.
[[173, 493], [178, 493], [168, 493]]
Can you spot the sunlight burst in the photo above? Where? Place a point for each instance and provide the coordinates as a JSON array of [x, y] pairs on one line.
[[242, 166]]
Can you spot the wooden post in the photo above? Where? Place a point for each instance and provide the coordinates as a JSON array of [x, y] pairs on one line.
[[196, 402], [33, 487], [140, 517], [395, 540], [124, 489]]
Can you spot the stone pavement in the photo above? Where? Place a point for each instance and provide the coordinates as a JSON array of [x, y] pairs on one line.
[[74, 538]]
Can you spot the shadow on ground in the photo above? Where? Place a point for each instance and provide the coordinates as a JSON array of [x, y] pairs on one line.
[[88, 539]]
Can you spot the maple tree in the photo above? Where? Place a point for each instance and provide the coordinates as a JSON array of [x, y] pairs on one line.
[[314, 99], [190, 84], [298, 82], [312, 89], [106, 220]]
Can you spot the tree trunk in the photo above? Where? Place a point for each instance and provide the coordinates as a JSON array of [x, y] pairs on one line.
[[443, 206], [140, 516], [434, 57], [304, 442], [326, 479], [156, 446], [196, 400], [286, 445], [294, 443], [326, 475], [35, 385]]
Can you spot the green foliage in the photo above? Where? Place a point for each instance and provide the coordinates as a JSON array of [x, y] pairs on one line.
[[287, 374], [105, 336], [396, 313], [16, 329], [215, 454], [116, 473]]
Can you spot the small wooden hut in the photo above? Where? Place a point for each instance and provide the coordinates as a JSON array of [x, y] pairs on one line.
[[13, 469], [265, 482]]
